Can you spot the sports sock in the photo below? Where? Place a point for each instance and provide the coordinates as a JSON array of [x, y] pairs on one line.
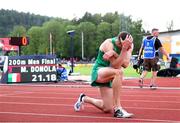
[[116, 108]]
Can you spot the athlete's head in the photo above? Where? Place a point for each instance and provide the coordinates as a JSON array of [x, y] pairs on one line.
[[122, 35], [155, 32]]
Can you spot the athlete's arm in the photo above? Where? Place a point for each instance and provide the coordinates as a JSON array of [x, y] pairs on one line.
[[111, 53], [128, 57], [107, 48], [124, 58]]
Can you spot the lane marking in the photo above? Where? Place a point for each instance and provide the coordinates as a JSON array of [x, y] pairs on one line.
[[87, 86], [45, 104], [90, 117], [67, 98], [97, 95], [71, 91]]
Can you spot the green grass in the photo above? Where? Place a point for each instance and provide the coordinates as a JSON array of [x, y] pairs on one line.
[[86, 70], [130, 72], [83, 70]]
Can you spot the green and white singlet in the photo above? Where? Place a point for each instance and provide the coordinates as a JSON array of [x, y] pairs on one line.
[[100, 62]]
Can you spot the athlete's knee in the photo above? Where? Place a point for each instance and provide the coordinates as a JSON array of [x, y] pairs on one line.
[[118, 72]]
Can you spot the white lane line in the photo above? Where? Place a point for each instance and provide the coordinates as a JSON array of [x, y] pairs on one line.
[[39, 85], [67, 98], [84, 116], [85, 85], [126, 95], [70, 91], [45, 104]]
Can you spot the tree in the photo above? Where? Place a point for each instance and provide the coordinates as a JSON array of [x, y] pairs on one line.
[[35, 36], [115, 28], [11, 18], [18, 31], [104, 30], [110, 17], [57, 30], [96, 19], [137, 32], [89, 31], [87, 17], [96, 29]]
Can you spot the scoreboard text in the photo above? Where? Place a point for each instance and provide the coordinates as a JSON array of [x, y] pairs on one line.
[[41, 68]]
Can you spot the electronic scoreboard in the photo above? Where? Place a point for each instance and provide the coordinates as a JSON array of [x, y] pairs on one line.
[[35, 68]]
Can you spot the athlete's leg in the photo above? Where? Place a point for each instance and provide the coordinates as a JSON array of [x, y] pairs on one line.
[[105, 104], [117, 86], [105, 75], [117, 75], [109, 95]]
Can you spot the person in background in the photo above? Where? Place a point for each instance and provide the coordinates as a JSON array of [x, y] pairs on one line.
[[62, 74], [150, 46]]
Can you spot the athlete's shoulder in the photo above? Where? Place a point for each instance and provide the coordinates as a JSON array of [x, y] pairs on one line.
[[107, 44], [108, 41]]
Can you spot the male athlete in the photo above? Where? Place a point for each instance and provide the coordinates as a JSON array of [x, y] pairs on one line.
[[114, 55]]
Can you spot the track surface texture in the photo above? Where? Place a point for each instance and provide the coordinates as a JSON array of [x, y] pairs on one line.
[[53, 102]]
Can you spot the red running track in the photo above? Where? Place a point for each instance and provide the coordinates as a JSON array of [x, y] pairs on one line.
[[165, 82], [51, 103]]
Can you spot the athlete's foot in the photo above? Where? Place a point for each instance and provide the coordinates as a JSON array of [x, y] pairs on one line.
[[141, 83], [78, 104], [121, 113]]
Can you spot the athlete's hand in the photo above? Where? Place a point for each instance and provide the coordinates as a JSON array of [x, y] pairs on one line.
[[127, 43]]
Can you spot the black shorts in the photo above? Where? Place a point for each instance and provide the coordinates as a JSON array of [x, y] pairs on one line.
[[151, 64]]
